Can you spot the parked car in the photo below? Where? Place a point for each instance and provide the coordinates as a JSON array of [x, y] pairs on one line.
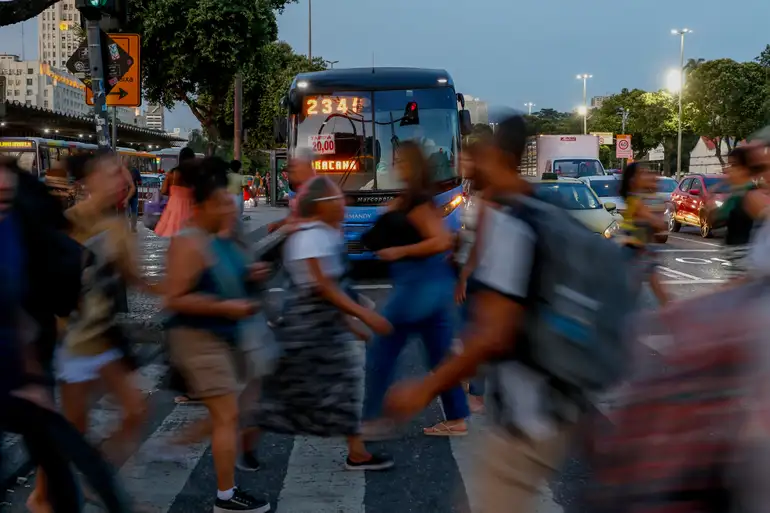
[[689, 200]]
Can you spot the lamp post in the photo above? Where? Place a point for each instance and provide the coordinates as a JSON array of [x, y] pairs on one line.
[[529, 106], [332, 63], [310, 30], [681, 33], [584, 77]]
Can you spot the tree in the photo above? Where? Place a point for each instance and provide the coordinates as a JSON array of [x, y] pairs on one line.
[[16, 11], [264, 84], [551, 121], [193, 49], [764, 58], [691, 65], [481, 130], [729, 101]]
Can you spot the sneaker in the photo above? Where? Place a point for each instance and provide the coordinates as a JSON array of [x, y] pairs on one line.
[[376, 462], [242, 502], [248, 462]]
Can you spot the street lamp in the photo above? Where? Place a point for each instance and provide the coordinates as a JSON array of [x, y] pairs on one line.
[[584, 77], [310, 30], [529, 105], [331, 63], [681, 33]]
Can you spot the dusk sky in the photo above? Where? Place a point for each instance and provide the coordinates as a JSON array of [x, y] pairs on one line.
[[509, 53]]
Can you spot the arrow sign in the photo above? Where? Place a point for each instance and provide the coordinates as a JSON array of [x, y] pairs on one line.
[[120, 93], [115, 62]]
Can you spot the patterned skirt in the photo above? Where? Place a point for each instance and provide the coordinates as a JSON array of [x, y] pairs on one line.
[[317, 386]]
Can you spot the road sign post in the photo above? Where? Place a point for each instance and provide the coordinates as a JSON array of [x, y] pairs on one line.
[[127, 88], [97, 83], [623, 149]]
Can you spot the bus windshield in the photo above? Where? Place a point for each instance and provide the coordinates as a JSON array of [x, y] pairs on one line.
[[352, 136], [26, 159]]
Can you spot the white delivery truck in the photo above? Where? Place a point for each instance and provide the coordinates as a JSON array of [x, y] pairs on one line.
[[573, 156]]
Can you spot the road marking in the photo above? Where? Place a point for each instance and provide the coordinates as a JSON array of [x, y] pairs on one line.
[[695, 241], [687, 250], [316, 480], [168, 478], [693, 282], [680, 274]]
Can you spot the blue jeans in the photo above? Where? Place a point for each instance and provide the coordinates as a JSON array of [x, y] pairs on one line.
[[421, 304], [477, 385], [133, 211]]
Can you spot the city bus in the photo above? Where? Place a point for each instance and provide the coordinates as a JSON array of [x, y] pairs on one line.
[[38, 155], [351, 121], [168, 158]]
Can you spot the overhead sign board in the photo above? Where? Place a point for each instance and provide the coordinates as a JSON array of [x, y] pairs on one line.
[[127, 89], [605, 138], [623, 149]]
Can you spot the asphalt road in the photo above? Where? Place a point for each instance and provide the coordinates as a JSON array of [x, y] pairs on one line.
[[304, 475]]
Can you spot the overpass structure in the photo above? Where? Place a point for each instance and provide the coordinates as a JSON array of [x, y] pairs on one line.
[[26, 121]]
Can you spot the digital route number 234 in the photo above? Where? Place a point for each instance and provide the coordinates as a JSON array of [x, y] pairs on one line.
[[315, 105]]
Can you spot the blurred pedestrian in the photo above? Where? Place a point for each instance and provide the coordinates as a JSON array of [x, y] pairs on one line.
[[179, 207], [206, 295], [421, 302]]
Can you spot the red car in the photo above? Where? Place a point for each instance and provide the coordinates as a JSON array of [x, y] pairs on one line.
[[689, 200]]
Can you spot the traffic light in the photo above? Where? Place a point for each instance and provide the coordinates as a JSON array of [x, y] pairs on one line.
[[95, 9], [411, 115]]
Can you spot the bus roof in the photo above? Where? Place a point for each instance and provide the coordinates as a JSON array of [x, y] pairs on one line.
[[372, 79]]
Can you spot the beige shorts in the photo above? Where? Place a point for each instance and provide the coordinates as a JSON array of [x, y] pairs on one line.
[[210, 365]]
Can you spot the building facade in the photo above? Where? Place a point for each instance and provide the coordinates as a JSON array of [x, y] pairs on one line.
[[38, 84], [57, 29], [156, 118], [477, 108], [598, 101]]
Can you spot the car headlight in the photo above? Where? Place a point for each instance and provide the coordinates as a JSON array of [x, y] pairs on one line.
[[450, 207], [718, 203], [612, 230]]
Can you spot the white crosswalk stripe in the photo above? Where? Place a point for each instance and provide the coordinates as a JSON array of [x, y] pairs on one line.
[[313, 479]]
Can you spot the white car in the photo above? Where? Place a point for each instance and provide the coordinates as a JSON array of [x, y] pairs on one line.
[[607, 188]]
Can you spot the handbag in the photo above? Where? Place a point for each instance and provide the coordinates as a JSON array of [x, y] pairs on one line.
[[257, 343], [392, 229]]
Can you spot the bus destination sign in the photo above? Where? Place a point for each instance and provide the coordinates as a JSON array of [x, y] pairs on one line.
[[16, 145]]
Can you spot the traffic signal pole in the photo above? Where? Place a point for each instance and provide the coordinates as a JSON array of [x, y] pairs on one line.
[[101, 116]]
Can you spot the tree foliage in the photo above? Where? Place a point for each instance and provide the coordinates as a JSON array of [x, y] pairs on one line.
[[764, 58], [16, 11], [728, 99], [192, 50]]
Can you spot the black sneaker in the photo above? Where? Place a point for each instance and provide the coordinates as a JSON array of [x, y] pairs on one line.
[[376, 462], [242, 502], [248, 462]]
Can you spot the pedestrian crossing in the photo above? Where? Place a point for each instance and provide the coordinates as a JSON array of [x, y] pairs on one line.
[[299, 474]]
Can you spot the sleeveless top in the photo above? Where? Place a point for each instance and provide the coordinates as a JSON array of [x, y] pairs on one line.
[[224, 277]]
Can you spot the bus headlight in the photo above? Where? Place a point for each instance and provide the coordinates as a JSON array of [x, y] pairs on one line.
[[612, 230], [450, 207]]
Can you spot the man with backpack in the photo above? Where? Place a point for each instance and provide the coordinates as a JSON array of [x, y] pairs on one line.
[[537, 323]]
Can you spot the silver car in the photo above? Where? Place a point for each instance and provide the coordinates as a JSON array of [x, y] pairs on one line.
[[607, 188]]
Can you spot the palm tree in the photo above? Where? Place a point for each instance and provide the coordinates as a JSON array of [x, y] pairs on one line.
[[692, 64]]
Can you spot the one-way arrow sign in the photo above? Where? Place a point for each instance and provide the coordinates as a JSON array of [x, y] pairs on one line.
[[120, 93], [115, 63]]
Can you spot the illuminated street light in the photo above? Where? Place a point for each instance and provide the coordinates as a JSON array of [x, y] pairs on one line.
[[674, 81], [584, 110], [529, 105], [681, 33]]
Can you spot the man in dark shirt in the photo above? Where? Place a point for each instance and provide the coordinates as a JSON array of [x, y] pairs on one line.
[[133, 201]]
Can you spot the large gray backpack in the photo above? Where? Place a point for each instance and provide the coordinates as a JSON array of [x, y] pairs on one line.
[[581, 296]]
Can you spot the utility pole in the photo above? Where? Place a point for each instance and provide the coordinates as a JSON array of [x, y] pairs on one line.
[[681, 33], [310, 30], [114, 129], [238, 117], [101, 117]]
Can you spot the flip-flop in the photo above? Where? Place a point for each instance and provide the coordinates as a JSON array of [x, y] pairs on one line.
[[444, 429]]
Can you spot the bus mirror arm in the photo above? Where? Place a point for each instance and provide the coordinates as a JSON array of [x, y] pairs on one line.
[[279, 129], [466, 127]]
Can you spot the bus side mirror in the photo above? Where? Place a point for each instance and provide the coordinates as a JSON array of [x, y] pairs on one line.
[[279, 129], [466, 127]]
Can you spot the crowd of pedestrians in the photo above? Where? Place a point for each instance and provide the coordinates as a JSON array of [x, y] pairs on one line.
[[537, 345]]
